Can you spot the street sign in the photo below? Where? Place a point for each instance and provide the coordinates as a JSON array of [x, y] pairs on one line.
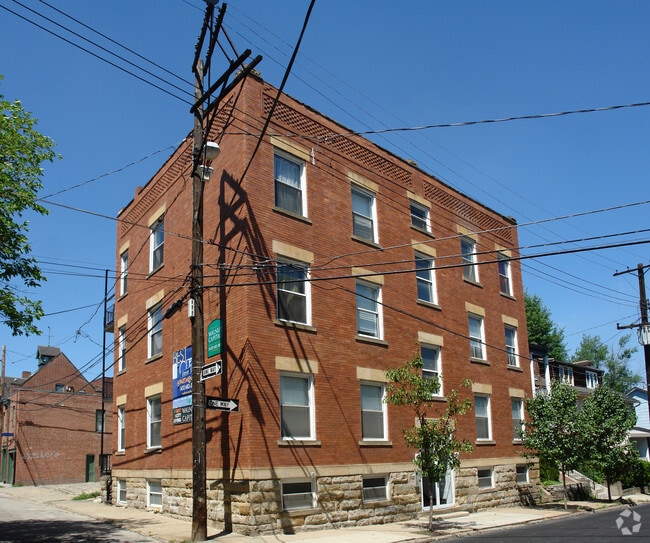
[[7, 434], [210, 370], [222, 404]]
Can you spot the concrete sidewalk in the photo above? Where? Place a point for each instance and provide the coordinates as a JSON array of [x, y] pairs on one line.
[[173, 530]]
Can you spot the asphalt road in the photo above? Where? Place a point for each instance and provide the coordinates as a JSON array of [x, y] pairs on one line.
[[626, 525], [26, 522]]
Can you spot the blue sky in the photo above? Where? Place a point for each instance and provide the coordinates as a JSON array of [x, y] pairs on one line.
[[370, 65]]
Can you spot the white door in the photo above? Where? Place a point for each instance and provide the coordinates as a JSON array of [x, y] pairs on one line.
[[443, 492]]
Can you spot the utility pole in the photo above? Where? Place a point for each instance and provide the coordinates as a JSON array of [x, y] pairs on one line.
[[3, 404]]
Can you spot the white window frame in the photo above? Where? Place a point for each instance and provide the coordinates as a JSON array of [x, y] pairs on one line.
[[374, 492], [284, 289], [121, 348], [425, 277], [485, 477], [124, 272], [487, 416], [476, 342], [154, 489], [420, 216], [100, 419], [309, 498], [437, 362], [301, 189], [154, 330], [154, 420], [517, 408], [371, 198], [369, 308], [522, 474], [121, 427], [565, 374], [591, 379], [309, 408], [505, 274], [373, 410], [157, 244], [121, 491], [468, 254], [512, 350]]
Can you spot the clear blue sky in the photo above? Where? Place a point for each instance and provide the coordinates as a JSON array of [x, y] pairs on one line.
[[371, 65]]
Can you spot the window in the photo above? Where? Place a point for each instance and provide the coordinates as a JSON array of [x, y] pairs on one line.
[[373, 412], [154, 422], [293, 292], [522, 474], [154, 493], [121, 491], [468, 252], [298, 495], [100, 419], [297, 407], [289, 175], [476, 339], [375, 489], [485, 478], [425, 279], [121, 348], [592, 379], [511, 346], [155, 330], [431, 363], [505, 281], [364, 223], [420, 217], [124, 270], [565, 374], [482, 411], [58, 387], [157, 245], [517, 417], [368, 309], [121, 428]]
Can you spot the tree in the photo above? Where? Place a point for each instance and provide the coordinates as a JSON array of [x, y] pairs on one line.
[[22, 151], [552, 428], [618, 376], [434, 438], [605, 420], [541, 328]]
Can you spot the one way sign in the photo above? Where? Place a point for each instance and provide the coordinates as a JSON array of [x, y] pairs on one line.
[[222, 404], [210, 370]]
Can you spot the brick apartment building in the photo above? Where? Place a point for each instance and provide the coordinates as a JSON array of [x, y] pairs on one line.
[[331, 261], [52, 424]]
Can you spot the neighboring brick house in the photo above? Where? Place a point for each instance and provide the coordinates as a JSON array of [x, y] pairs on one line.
[[330, 262], [52, 419]]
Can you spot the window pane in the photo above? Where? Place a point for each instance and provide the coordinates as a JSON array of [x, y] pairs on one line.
[[372, 412], [372, 425], [374, 488], [419, 216], [362, 215], [367, 310], [295, 422], [297, 496], [371, 397], [424, 275], [295, 411], [467, 247], [292, 297]]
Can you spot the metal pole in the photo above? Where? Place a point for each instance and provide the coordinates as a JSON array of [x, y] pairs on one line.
[[102, 467]]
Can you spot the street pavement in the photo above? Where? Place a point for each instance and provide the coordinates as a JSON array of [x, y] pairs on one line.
[[167, 529]]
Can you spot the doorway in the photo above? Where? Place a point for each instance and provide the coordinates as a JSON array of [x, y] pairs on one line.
[[90, 468], [443, 492]]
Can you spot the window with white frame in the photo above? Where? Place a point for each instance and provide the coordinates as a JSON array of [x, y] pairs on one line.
[[157, 245], [425, 277], [505, 279], [121, 348], [483, 419], [522, 474], [124, 270], [511, 346], [364, 214], [121, 427], [155, 324], [592, 379], [121, 491], [420, 217], [368, 309], [375, 488], [373, 412], [468, 252], [290, 192], [297, 406], [565, 374], [485, 478], [100, 420], [293, 292], [154, 422], [517, 407], [154, 493], [431, 364], [298, 495], [476, 337]]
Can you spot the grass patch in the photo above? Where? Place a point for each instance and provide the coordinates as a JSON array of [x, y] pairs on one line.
[[87, 495]]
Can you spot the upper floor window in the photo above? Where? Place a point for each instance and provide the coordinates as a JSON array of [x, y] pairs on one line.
[[431, 364], [100, 420], [468, 252], [476, 337], [517, 405], [368, 309], [155, 330], [157, 245], [154, 422], [364, 214], [290, 193], [297, 406], [565, 374], [420, 217], [505, 279], [592, 379], [425, 278], [293, 292], [121, 427], [124, 269], [373, 412], [511, 346], [483, 418], [121, 348]]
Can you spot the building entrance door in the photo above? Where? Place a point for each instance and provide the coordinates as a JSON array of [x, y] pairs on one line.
[[90, 468], [443, 492]]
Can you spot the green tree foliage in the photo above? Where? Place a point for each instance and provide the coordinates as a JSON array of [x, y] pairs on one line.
[[552, 429], [22, 151], [434, 437], [541, 328], [605, 420], [618, 376]]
